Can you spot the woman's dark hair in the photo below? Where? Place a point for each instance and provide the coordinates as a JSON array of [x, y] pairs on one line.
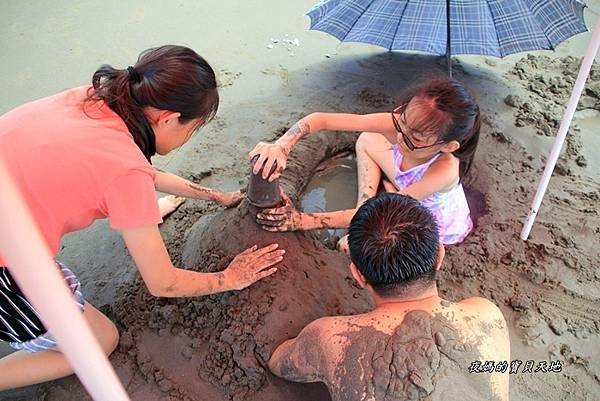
[[173, 78], [393, 242], [450, 110]]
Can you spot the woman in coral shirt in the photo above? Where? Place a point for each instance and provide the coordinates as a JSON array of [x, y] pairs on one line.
[[84, 154]]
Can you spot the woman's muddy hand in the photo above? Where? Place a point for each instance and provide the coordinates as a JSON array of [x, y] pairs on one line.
[[269, 154], [231, 199], [252, 265], [284, 218]]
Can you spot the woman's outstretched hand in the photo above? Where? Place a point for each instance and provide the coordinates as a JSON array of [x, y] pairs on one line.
[[231, 199], [284, 218], [268, 154], [252, 265]]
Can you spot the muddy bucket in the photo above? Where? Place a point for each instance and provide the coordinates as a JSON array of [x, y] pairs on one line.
[[262, 193]]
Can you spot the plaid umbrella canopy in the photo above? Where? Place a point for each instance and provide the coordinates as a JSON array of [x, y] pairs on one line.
[[484, 27]]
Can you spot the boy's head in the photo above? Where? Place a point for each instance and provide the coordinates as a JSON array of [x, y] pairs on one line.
[[394, 244]]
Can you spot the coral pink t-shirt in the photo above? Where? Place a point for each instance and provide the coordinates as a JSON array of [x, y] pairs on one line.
[[74, 166]]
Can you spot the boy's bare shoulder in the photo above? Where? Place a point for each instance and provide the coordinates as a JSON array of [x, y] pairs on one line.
[[479, 304], [334, 324], [484, 317], [332, 331]]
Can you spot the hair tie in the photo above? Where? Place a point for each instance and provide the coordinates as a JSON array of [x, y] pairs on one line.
[[134, 75]]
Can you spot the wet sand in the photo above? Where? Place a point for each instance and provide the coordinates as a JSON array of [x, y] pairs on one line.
[[548, 288]]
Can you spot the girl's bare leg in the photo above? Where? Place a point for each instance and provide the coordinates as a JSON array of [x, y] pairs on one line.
[[22, 368], [373, 155]]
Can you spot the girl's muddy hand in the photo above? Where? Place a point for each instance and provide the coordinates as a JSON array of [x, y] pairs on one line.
[[285, 218], [231, 199], [251, 265], [269, 154]]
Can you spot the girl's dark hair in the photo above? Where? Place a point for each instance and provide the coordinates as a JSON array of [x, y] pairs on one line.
[[393, 242], [173, 78], [450, 110]]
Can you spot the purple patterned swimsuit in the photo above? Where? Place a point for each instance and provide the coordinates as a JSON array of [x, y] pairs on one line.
[[449, 208]]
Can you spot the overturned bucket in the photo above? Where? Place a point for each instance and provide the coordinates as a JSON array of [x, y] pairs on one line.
[[262, 193]]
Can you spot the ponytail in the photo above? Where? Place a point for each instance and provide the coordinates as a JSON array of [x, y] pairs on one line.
[[114, 87], [466, 152], [170, 77]]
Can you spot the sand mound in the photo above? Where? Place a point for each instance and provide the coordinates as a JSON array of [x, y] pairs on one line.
[[215, 347]]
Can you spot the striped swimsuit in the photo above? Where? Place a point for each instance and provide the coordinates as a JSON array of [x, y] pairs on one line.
[[20, 323]]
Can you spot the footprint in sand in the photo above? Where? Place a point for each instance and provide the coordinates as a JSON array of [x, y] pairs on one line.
[[226, 77]]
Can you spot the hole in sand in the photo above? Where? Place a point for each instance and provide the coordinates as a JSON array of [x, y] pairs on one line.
[[333, 187]]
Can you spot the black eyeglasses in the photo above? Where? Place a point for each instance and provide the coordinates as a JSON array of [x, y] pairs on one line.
[[407, 141]]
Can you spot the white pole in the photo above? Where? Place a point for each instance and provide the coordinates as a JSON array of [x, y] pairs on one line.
[[584, 71], [33, 268]]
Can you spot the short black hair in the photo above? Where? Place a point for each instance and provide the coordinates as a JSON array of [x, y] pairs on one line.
[[393, 242]]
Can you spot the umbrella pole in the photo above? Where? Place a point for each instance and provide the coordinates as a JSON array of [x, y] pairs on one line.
[[448, 54], [584, 71], [32, 266]]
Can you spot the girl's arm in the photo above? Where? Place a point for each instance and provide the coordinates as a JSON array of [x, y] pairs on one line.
[[278, 151], [281, 219], [315, 122], [288, 218], [175, 185], [441, 176], [165, 280]]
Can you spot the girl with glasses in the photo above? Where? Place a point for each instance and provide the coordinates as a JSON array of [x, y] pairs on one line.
[[423, 148]]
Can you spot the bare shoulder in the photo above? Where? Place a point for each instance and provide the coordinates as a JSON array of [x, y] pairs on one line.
[[447, 162], [319, 331], [445, 169], [485, 321], [478, 302], [486, 308], [307, 357], [330, 326], [325, 322], [489, 334]]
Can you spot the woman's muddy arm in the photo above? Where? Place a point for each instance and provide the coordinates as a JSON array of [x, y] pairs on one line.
[[162, 279], [175, 185]]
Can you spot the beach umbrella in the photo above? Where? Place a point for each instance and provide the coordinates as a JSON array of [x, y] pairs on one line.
[[584, 72], [483, 27], [451, 27]]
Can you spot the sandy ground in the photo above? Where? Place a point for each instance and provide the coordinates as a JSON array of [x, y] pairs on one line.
[[547, 287]]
